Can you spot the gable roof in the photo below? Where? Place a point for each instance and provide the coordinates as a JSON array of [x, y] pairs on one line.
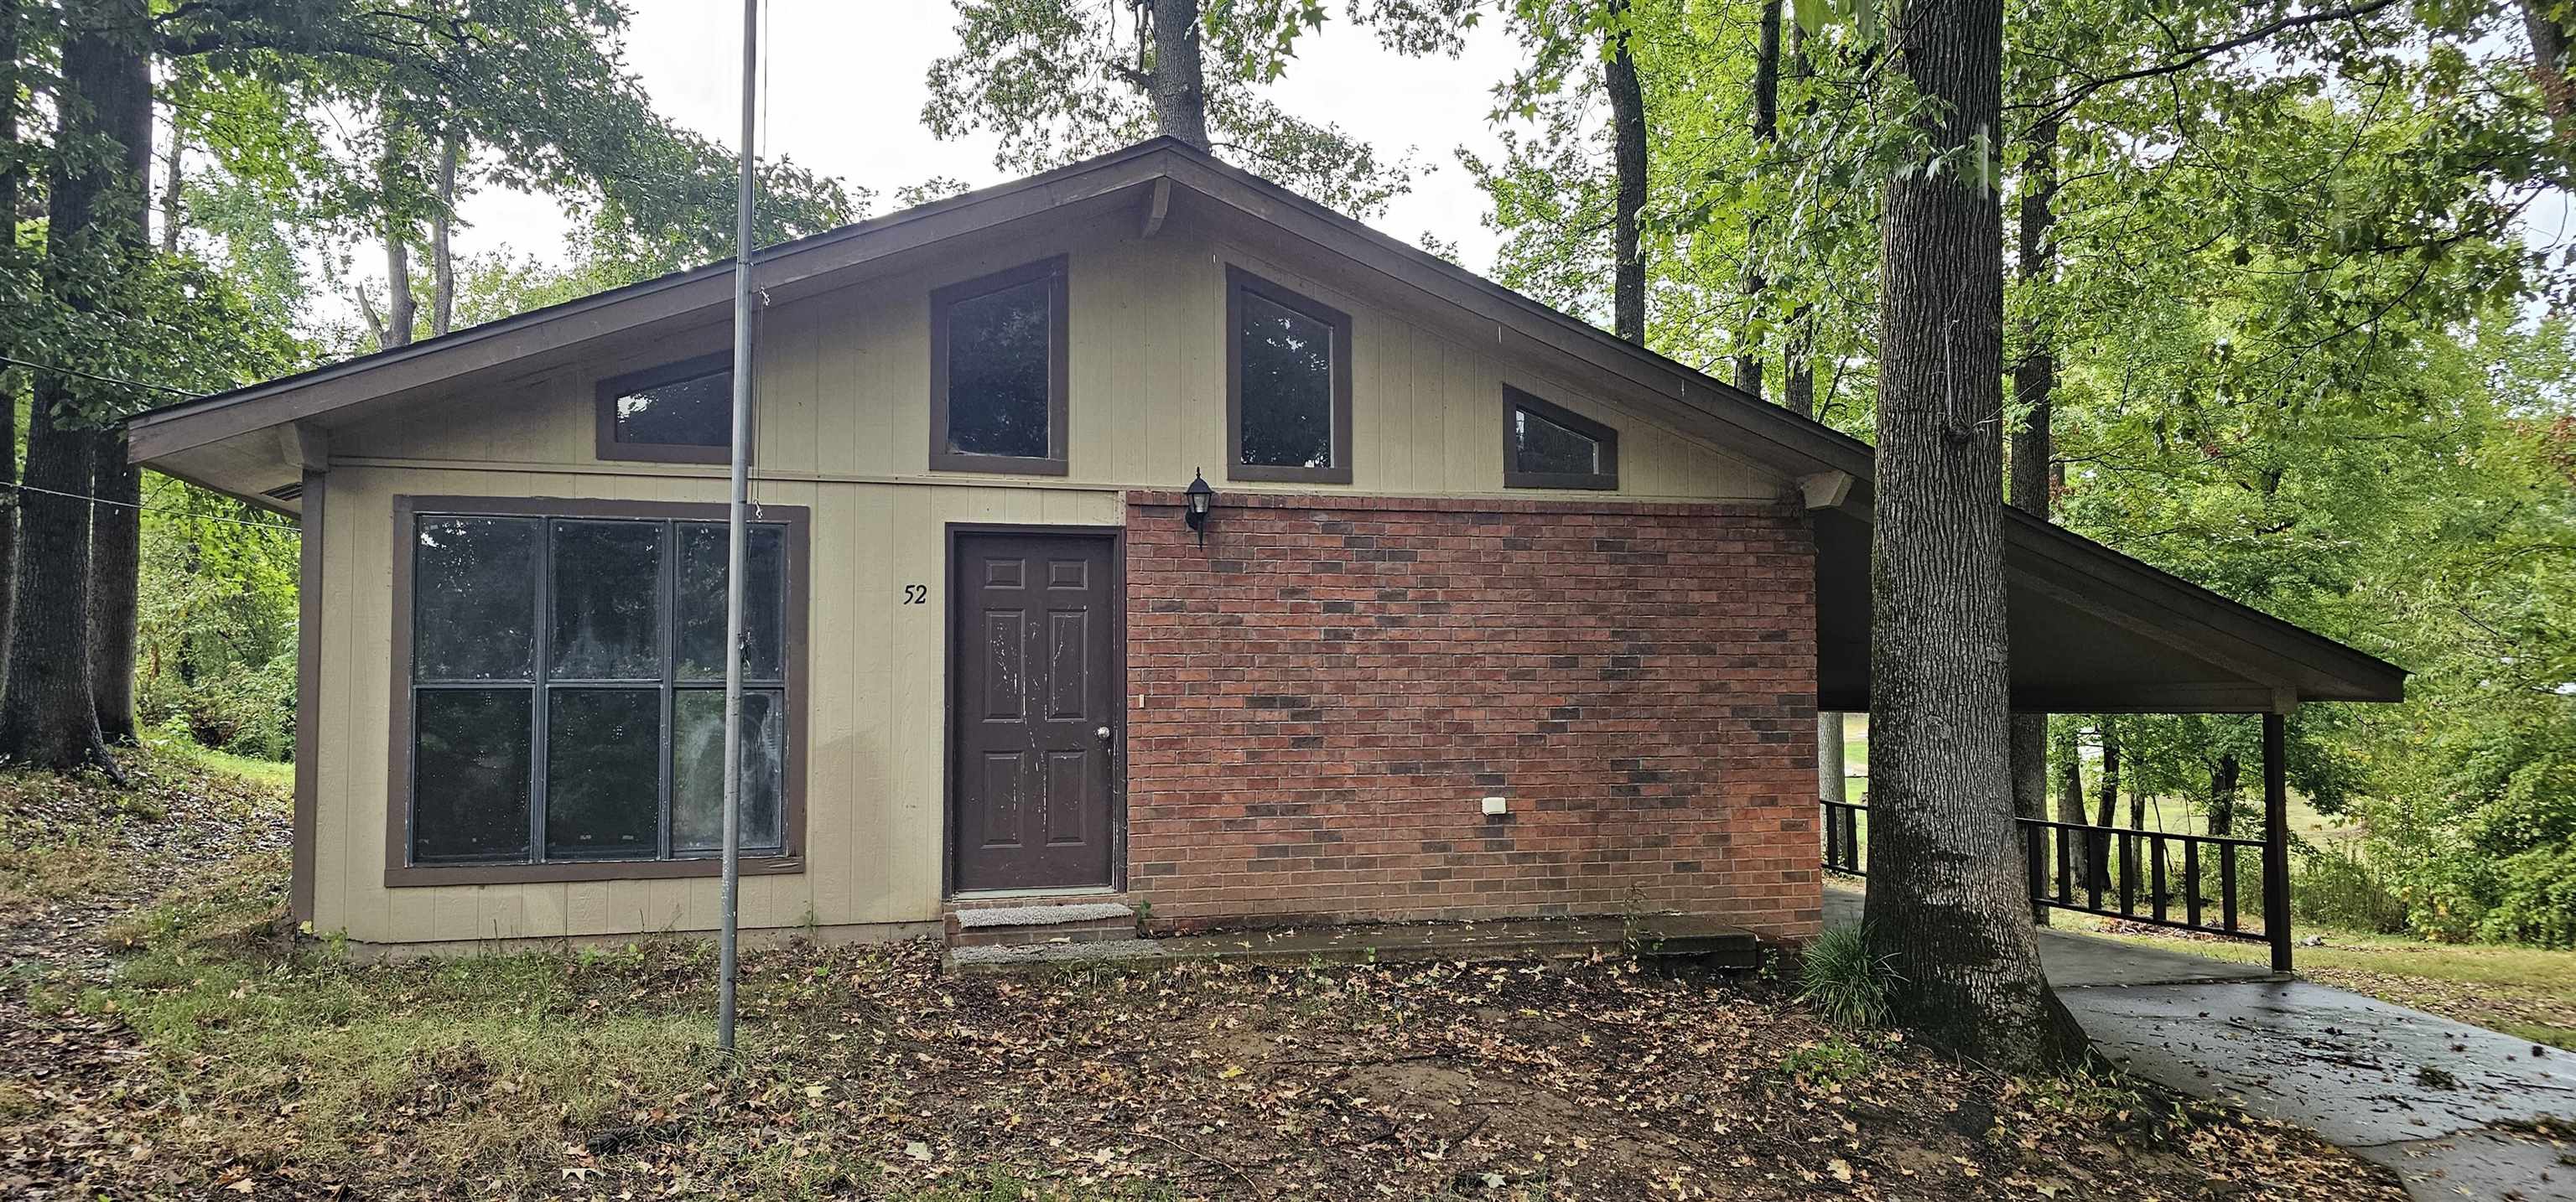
[[2247, 645]]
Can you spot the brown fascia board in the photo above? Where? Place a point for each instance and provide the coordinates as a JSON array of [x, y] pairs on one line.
[[196, 422]]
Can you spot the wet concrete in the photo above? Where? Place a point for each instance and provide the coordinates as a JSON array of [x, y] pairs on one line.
[[2440, 1102], [2445, 1105]]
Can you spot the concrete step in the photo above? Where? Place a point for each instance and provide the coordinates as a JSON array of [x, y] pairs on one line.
[[1040, 923]]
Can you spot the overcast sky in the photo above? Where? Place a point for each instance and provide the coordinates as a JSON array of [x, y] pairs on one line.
[[846, 85]]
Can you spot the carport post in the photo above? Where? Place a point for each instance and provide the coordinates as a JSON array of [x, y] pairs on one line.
[[2276, 838]]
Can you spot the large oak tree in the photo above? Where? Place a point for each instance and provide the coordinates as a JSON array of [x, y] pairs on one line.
[[1948, 909]]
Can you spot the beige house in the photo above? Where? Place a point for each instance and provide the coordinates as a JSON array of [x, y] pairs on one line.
[[1492, 615]]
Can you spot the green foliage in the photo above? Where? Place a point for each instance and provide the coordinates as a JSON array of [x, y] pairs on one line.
[[216, 621], [1848, 986], [2340, 887], [1061, 80], [1833, 1063]]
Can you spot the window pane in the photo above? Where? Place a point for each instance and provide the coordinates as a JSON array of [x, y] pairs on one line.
[[1287, 387], [702, 602], [469, 797], [603, 774], [607, 600], [474, 598], [697, 413], [1544, 446], [697, 770], [997, 372]]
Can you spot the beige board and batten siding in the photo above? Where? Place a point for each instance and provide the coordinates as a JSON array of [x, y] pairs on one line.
[[843, 432]]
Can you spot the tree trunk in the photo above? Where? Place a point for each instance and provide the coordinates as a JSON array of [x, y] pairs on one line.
[[2070, 803], [95, 223], [174, 166], [442, 260], [1628, 164], [2550, 66], [401, 310], [1798, 389], [1175, 82], [115, 570], [1766, 131], [2223, 780], [2035, 376], [1948, 905], [2107, 808], [2029, 739], [10, 181]]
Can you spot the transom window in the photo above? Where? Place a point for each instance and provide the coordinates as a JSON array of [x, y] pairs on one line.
[[1288, 409], [1548, 446], [997, 372], [566, 688], [675, 413]]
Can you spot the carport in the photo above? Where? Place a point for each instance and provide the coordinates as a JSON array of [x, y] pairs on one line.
[[2093, 631]]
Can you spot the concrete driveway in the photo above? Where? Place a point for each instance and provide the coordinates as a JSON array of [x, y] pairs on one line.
[[2445, 1105]]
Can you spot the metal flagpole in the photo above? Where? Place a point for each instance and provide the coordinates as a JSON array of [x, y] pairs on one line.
[[736, 536]]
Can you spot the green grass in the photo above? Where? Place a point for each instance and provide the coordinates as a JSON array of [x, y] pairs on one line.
[[500, 1046], [269, 774]]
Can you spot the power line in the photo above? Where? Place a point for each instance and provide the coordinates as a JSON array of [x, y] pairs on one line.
[[91, 375], [199, 517]]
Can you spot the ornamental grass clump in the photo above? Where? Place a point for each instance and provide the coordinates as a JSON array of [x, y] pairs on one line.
[[1843, 982]]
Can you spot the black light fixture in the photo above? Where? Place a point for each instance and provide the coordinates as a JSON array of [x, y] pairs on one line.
[[1200, 500]]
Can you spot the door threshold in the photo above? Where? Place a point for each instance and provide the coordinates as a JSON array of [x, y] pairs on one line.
[[1066, 891]]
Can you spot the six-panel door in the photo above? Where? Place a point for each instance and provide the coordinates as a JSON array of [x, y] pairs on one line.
[[1035, 677]]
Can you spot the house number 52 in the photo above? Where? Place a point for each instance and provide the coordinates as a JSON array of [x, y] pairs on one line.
[[915, 594]]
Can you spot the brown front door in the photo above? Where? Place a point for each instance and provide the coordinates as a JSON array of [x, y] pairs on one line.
[[1036, 707]]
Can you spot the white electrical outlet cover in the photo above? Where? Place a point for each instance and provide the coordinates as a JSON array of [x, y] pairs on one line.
[[1496, 805]]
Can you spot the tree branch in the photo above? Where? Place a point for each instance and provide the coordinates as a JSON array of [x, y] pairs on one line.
[[2187, 59]]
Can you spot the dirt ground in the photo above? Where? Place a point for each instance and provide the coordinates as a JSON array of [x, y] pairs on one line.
[[228, 1062]]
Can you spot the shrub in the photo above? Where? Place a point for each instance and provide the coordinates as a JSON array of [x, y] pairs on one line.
[[2338, 887], [244, 709], [1838, 976]]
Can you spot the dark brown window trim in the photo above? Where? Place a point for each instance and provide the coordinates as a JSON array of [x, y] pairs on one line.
[[1059, 372], [1237, 283], [400, 872], [657, 452], [1606, 480]]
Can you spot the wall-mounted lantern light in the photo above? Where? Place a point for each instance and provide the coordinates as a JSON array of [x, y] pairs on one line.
[[1200, 499]]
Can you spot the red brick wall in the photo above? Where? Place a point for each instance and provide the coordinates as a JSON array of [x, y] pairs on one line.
[[1320, 698]]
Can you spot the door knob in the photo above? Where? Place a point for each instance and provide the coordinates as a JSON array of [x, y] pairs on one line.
[[1103, 732]]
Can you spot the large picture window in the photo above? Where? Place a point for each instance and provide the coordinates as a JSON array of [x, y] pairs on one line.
[[998, 372], [563, 687], [1288, 384]]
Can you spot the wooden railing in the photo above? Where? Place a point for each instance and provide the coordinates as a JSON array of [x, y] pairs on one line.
[[2154, 888], [1844, 849], [2161, 878]]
